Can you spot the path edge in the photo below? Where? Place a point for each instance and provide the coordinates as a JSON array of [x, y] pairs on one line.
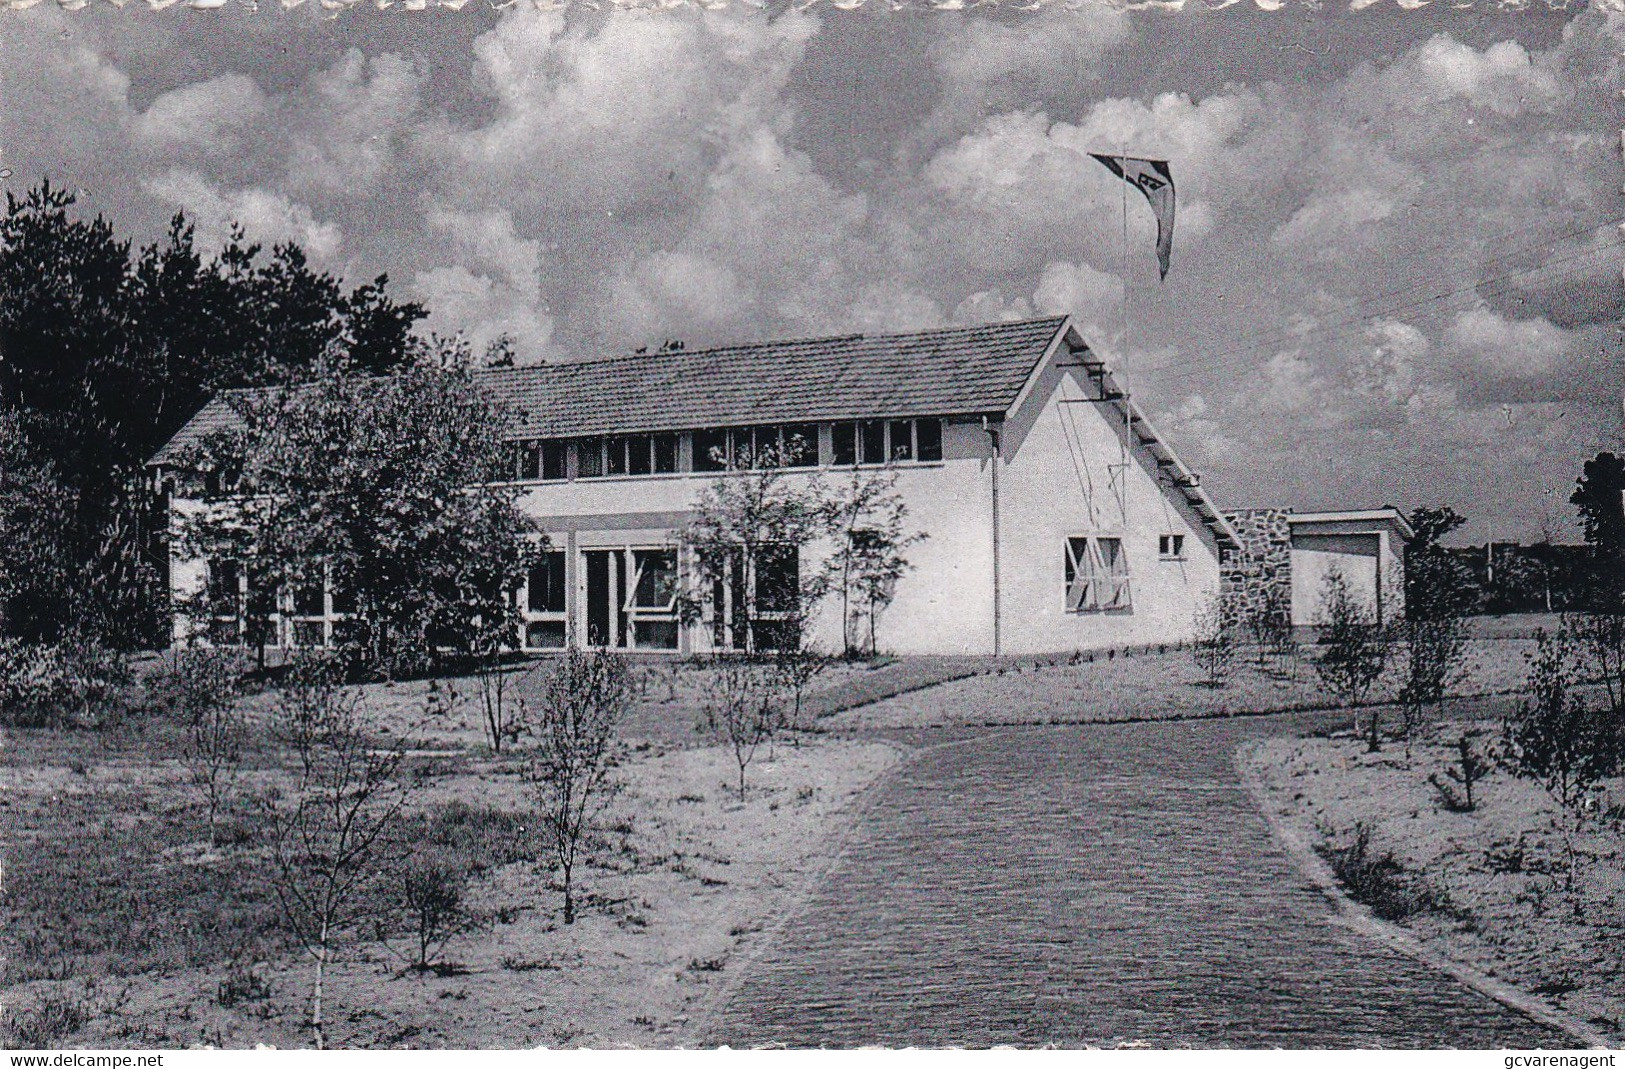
[[709, 1010], [1356, 916]]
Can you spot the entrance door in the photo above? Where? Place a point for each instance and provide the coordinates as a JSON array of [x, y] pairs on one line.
[[606, 624]]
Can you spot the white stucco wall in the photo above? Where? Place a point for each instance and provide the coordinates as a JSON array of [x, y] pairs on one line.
[[1368, 555], [1056, 474], [1060, 462]]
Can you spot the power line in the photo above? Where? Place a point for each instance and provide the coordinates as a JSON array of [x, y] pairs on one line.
[[1275, 335], [1332, 329]]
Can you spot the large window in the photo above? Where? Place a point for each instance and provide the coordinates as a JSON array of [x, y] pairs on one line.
[[873, 441], [769, 617], [1097, 576], [651, 600], [631, 597], [546, 603]]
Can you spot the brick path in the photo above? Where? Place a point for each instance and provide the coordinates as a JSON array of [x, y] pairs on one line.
[[1089, 885]]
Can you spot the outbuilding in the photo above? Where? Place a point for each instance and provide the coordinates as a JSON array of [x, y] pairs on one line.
[[1286, 557]]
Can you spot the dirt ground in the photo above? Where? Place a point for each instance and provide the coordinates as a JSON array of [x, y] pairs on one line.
[[1146, 685], [683, 879], [1494, 879]]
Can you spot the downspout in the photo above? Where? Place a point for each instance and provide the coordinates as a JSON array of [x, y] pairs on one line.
[[993, 437]]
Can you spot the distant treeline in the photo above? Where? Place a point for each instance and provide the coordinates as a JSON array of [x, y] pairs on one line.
[[1543, 577]]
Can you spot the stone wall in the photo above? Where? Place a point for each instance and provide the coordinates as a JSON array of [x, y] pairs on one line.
[[1262, 567]]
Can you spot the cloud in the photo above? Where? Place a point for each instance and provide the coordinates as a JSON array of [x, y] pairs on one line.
[[265, 216], [203, 118], [589, 182], [629, 114], [492, 286], [1332, 220], [1501, 78], [346, 122], [1093, 298], [1503, 348]]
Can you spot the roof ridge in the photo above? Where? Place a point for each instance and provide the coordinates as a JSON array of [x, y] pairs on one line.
[[822, 339]]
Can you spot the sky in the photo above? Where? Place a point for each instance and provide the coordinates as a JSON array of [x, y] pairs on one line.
[[1397, 264]]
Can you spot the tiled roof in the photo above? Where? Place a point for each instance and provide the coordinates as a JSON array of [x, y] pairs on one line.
[[964, 370], [960, 370]]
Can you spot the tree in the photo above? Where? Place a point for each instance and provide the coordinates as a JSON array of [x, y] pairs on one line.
[[108, 352], [1354, 648], [387, 493], [1470, 767], [1556, 738], [201, 687], [741, 709], [749, 531], [1268, 618], [574, 743], [35, 566], [1214, 647], [1600, 628], [867, 528], [1599, 494], [1439, 593], [332, 828], [501, 713]]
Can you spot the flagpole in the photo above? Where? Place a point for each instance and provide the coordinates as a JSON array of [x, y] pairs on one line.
[[1122, 452]]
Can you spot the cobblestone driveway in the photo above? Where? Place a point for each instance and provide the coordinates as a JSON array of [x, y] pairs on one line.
[[1089, 885]]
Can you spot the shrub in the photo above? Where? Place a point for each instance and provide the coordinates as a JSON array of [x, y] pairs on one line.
[[1556, 738], [1470, 767], [242, 984], [48, 1024], [430, 893], [1378, 880], [1434, 652], [76, 683], [1214, 645], [1269, 622]]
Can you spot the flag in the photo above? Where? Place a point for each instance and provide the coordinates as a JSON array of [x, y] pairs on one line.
[[1156, 181]]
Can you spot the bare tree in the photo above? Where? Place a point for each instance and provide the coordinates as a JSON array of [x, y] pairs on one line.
[[867, 525], [499, 706], [742, 709], [332, 828], [574, 745], [201, 687], [794, 669]]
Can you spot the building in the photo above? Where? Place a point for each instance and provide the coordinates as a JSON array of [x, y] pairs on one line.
[[1055, 517], [1285, 557]]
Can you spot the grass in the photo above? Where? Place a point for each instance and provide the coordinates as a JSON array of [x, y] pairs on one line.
[[1489, 887], [49, 1023], [115, 880], [110, 879], [1143, 685]]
